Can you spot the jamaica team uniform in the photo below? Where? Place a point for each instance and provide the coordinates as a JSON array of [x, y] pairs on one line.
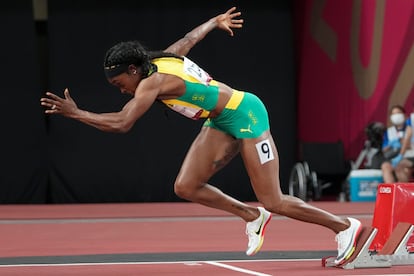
[[244, 116]]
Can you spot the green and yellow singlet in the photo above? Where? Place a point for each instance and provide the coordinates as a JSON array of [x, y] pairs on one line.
[[244, 115], [201, 93]]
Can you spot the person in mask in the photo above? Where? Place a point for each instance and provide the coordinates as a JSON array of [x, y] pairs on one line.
[[393, 142], [405, 168]]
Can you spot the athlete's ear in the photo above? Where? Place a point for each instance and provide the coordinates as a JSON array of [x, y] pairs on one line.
[[132, 69]]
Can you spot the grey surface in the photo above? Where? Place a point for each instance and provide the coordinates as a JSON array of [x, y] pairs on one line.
[[164, 257]]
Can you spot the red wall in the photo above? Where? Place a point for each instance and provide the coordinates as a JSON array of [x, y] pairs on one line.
[[355, 60]]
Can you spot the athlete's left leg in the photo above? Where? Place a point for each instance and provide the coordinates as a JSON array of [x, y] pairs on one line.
[[210, 151]]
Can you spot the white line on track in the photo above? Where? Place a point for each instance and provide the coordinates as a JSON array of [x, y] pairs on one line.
[[238, 269], [219, 263]]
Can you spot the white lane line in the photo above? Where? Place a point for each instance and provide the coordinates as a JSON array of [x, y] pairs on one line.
[[238, 269]]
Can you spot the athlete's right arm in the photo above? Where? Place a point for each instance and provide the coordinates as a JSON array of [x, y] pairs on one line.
[[121, 121], [225, 21]]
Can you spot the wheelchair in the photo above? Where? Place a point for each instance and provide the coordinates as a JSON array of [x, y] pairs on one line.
[[322, 166], [303, 183]]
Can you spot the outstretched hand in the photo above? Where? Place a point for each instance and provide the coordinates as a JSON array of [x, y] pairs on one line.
[[227, 21], [56, 105]]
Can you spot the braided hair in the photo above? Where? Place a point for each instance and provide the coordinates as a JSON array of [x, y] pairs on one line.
[[132, 52]]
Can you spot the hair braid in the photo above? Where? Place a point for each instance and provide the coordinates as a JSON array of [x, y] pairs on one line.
[[132, 52], [129, 52]]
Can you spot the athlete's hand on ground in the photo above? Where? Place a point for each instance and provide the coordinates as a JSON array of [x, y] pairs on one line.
[[227, 21], [57, 105]]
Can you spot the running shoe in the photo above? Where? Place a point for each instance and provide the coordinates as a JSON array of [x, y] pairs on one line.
[[347, 241], [255, 231]]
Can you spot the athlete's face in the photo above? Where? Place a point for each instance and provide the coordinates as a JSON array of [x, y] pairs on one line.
[[126, 82]]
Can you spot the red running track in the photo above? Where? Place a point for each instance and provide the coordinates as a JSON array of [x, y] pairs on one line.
[[59, 231]]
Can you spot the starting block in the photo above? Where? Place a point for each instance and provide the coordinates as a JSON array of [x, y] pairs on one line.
[[394, 251]]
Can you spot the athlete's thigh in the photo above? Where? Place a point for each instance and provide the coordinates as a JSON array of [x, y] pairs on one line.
[[261, 160], [210, 151]]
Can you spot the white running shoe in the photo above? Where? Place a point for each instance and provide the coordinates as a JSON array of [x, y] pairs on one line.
[[255, 231], [347, 241]]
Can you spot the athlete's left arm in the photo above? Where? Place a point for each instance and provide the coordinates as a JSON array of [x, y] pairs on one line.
[[226, 21]]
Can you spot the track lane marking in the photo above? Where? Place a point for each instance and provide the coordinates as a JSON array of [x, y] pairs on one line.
[[235, 268]]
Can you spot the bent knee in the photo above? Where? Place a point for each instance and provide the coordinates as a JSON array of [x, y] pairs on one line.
[[283, 205], [183, 189], [275, 205]]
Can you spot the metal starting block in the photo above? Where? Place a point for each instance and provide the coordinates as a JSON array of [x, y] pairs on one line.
[[394, 251]]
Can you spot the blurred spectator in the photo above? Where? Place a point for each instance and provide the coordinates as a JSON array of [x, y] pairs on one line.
[[392, 145], [404, 169]]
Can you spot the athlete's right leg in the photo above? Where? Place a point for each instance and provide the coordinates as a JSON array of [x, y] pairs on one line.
[[264, 177], [210, 151], [261, 160]]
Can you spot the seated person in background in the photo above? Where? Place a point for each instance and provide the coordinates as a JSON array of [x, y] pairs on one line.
[[392, 147], [373, 154], [404, 169]]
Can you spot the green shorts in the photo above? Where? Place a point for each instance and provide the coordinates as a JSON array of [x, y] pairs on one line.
[[244, 116]]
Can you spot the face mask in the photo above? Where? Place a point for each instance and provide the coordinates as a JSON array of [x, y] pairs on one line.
[[397, 118]]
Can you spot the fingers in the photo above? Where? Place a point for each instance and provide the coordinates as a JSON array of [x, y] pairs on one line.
[[237, 23], [66, 93], [53, 96], [234, 23], [229, 11], [50, 108], [51, 105], [52, 102], [236, 14], [231, 14]]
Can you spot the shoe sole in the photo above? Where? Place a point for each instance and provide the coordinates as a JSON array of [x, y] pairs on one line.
[[353, 246], [261, 236]]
